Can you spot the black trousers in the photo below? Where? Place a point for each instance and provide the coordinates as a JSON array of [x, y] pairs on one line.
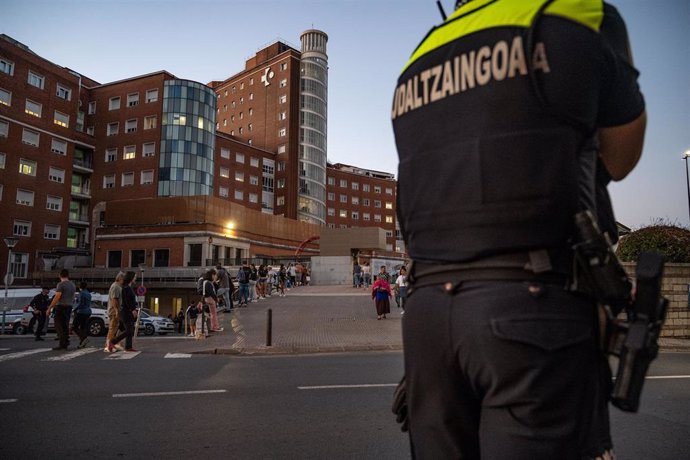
[[81, 325], [500, 370], [39, 323], [126, 323], [62, 314]]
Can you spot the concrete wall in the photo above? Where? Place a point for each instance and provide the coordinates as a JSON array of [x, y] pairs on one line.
[[675, 288], [331, 270], [341, 241]]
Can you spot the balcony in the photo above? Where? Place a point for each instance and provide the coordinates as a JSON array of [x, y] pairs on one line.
[[78, 218], [83, 165], [81, 192]]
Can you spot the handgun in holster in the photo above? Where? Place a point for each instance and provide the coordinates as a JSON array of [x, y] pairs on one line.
[[598, 273]]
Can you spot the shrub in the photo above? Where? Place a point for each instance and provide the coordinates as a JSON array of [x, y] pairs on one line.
[[671, 241]]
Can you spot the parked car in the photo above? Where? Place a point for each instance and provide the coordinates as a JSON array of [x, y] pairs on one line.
[[98, 323], [12, 320], [150, 323]]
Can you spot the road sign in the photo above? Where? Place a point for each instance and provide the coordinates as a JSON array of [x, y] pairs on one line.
[[141, 290], [140, 299], [9, 279]]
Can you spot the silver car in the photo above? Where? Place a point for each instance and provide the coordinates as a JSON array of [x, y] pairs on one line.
[[98, 322]]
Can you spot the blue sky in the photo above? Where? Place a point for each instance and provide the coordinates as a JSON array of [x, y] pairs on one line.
[[369, 42]]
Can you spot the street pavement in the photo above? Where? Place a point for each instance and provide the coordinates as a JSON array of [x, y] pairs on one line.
[[316, 319]]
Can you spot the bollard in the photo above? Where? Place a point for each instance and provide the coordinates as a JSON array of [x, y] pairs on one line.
[[269, 326]]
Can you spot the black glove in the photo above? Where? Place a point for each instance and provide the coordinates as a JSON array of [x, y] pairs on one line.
[[400, 405]]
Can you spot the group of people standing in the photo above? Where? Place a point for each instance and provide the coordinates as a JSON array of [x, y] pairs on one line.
[[384, 288]]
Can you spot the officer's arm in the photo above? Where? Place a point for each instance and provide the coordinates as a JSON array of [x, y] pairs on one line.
[[621, 146]]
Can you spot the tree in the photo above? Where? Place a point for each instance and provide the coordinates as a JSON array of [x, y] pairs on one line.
[[672, 241]]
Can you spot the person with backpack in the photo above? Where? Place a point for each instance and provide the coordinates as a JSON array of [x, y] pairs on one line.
[[210, 298], [243, 280]]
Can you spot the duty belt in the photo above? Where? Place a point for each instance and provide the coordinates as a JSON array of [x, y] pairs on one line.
[[524, 266]]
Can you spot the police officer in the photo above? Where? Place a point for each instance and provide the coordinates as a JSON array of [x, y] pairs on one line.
[[509, 118]]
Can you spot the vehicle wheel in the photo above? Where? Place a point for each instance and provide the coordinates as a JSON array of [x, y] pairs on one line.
[[19, 329], [148, 329], [96, 327]]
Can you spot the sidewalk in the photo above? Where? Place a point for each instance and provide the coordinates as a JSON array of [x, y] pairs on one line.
[[317, 319]]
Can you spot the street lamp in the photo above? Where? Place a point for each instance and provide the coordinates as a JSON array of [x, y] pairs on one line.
[[11, 243], [686, 155]]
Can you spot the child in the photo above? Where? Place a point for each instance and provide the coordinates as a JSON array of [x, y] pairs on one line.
[[381, 292]]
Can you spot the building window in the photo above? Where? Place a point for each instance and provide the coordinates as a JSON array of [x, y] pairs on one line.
[[56, 175], [225, 153], [251, 98], [331, 196], [282, 99], [61, 119], [389, 220], [282, 132], [90, 130], [355, 215], [63, 92], [283, 83], [366, 202], [240, 130], [132, 99], [54, 203], [224, 172], [242, 85], [253, 198], [92, 107], [389, 205], [239, 195], [366, 216], [254, 162], [249, 127], [331, 181], [151, 95], [4, 128], [377, 189], [110, 155], [131, 126], [25, 197], [33, 108], [239, 176], [161, 257], [2, 160], [51, 232], [365, 187], [343, 198], [150, 122], [254, 180], [283, 66], [127, 179], [343, 213], [377, 217], [280, 183], [355, 186], [27, 167], [355, 200], [22, 228], [267, 185], [389, 191], [109, 181], [6, 66], [36, 80], [114, 103], [148, 149], [331, 212], [343, 183], [136, 257], [129, 152], [113, 128], [239, 157], [282, 115], [281, 148], [377, 203], [114, 259], [58, 146], [5, 97], [280, 201], [241, 101], [268, 167], [223, 192], [147, 177]]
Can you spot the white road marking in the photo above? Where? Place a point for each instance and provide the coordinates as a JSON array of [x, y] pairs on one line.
[[364, 385], [5, 349], [167, 393], [662, 377], [123, 355], [73, 354], [21, 354], [178, 355], [8, 400]]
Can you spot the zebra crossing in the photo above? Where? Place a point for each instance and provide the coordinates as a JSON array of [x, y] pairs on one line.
[[7, 354]]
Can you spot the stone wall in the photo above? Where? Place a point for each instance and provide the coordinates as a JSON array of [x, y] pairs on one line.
[[675, 288], [331, 270]]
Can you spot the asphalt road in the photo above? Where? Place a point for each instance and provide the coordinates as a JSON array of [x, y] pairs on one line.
[[324, 406]]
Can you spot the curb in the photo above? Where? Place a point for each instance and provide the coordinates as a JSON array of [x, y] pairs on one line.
[[296, 350]]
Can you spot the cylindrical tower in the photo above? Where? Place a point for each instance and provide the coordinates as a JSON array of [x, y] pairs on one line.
[[188, 134], [313, 121]]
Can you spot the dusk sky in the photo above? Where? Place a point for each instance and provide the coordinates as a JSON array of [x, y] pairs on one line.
[[369, 42]]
